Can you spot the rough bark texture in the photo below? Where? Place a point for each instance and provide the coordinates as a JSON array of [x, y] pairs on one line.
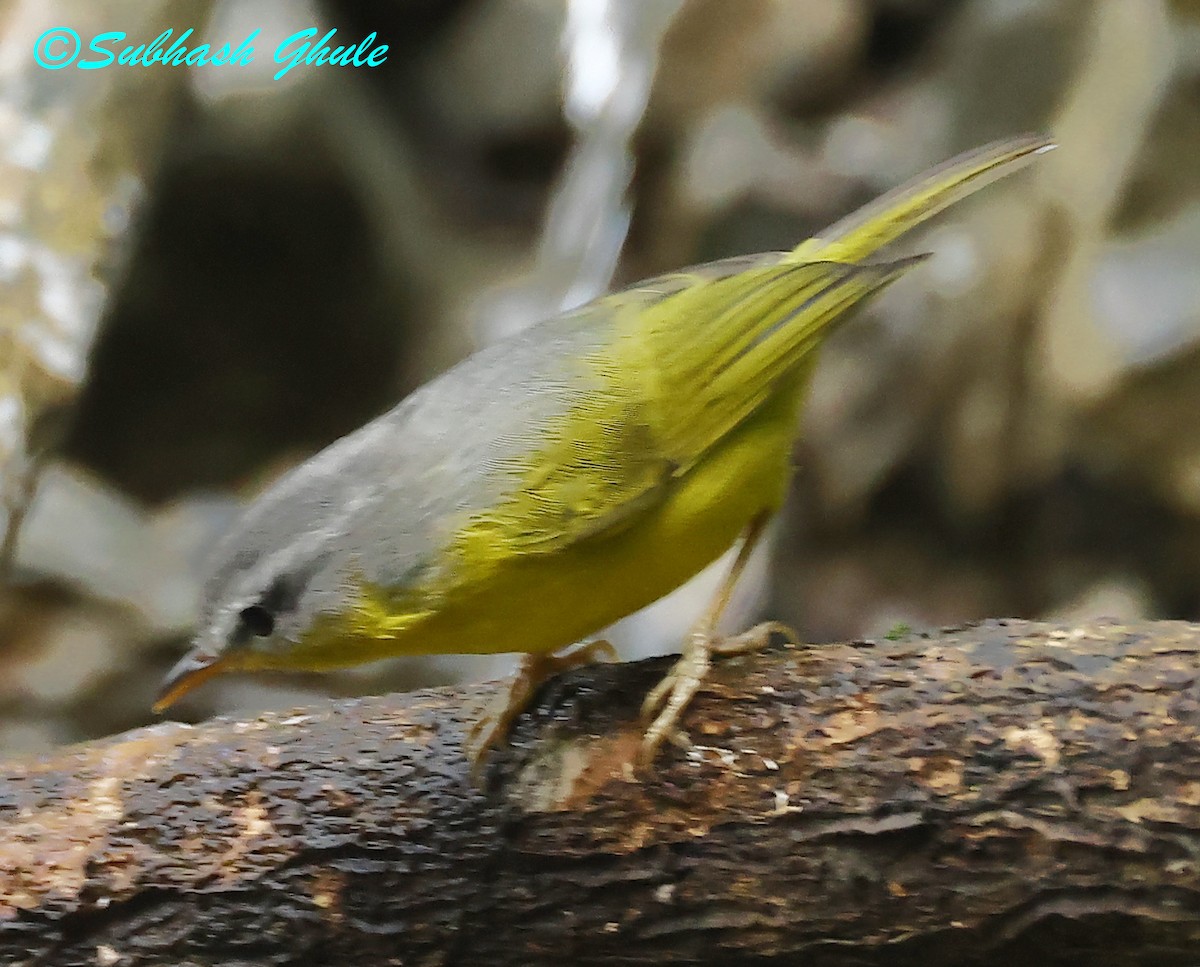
[[1006, 793]]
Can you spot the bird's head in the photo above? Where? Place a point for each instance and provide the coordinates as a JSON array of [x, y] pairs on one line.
[[258, 614]]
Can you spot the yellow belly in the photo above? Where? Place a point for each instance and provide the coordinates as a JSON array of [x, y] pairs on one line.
[[542, 602]]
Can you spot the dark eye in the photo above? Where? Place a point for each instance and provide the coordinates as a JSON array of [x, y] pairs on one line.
[[258, 621]]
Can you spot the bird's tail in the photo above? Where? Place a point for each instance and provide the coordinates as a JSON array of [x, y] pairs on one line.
[[860, 234], [751, 322]]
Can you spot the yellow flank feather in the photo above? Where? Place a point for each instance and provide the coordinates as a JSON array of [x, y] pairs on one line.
[[554, 483]]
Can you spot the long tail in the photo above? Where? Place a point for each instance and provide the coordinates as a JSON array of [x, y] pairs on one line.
[[889, 216], [749, 322]]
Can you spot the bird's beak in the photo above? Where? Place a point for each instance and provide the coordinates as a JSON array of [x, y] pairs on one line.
[[192, 669]]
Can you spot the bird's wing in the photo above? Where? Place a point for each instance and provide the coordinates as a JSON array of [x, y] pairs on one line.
[[597, 467], [719, 350], [645, 409]]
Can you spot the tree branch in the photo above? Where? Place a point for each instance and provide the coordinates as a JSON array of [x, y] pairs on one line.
[[1004, 792]]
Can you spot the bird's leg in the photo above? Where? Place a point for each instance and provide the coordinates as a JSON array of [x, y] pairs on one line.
[[534, 671], [669, 698]]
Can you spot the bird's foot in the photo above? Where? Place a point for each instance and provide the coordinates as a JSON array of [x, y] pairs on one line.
[[533, 672], [665, 704]]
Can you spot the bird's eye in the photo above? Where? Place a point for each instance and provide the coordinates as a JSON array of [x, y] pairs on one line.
[[258, 621]]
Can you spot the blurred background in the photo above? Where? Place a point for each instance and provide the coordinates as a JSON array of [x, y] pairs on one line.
[[208, 274]]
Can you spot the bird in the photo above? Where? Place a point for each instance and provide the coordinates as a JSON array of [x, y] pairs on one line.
[[564, 477]]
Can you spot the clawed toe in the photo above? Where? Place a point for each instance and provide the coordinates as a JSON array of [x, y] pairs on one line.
[[535, 670], [668, 699], [654, 699], [665, 704], [754, 639]]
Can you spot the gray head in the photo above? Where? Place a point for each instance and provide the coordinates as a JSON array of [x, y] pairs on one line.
[[268, 584]]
